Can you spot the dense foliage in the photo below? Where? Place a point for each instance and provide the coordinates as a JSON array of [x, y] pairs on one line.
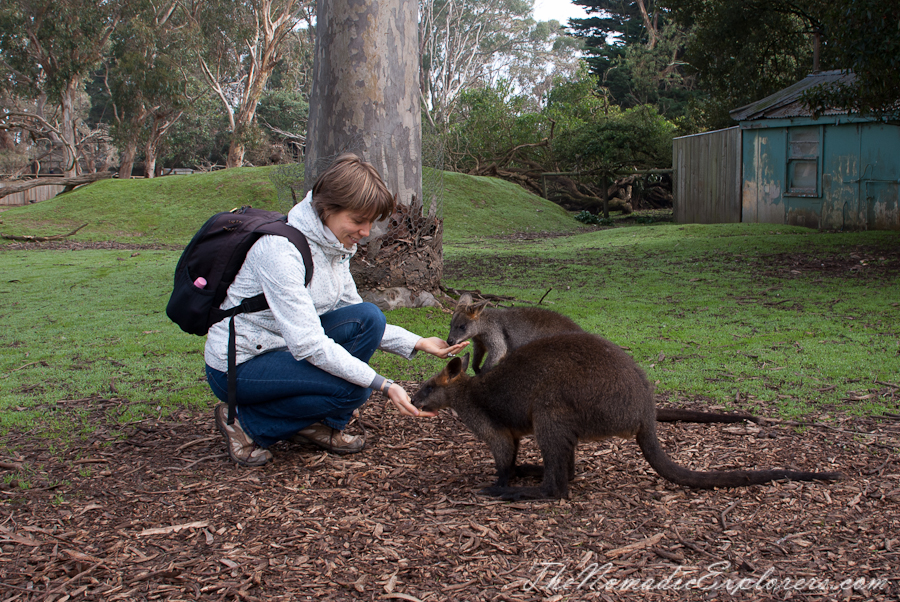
[[744, 50], [636, 50], [206, 82], [577, 129], [864, 37]]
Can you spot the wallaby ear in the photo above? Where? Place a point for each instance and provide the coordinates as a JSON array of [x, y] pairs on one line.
[[465, 300], [474, 311], [455, 367], [465, 362]]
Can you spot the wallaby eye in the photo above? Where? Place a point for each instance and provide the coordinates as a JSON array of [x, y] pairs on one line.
[[463, 327]]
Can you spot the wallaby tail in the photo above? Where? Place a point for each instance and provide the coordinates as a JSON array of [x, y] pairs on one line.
[[669, 470], [678, 415]]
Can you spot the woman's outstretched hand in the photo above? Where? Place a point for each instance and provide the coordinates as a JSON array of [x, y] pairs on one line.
[[439, 348], [400, 398]]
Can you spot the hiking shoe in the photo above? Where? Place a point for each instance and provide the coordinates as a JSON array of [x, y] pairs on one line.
[[241, 448], [331, 439]]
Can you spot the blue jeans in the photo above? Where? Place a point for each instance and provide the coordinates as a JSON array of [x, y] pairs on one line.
[[279, 395]]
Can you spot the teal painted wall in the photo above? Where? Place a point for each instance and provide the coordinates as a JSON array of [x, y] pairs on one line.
[[857, 174]]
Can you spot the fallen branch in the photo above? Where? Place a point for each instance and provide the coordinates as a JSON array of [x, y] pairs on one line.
[[41, 238], [644, 543], [69, 183], [41, 362], [478, 294]]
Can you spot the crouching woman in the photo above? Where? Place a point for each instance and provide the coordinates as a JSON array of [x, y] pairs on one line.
[[302, 364]]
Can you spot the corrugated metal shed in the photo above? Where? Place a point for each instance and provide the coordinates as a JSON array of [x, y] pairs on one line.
[[786, 103]]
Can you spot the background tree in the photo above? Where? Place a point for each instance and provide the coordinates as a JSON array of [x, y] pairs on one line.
[[365, 99], [147, 85], [745, 50], [497, 133], [47, 48], [241, 43], [200, 139], [864, 37], [466, 44], [636, 51], [285, 103]]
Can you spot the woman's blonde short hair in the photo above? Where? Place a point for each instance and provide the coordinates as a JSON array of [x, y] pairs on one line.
[[351, 184]]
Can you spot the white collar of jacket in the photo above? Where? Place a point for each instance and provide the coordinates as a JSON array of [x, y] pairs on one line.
[[303, 216]]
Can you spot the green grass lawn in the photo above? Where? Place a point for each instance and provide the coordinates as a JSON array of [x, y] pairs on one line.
[[740, 315]]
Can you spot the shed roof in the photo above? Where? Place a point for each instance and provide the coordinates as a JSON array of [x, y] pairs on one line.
[[787, 103]]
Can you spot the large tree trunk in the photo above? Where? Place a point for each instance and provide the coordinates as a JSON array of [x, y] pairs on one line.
[[67, 127], [126, 165], [151, 147], [365, 99]]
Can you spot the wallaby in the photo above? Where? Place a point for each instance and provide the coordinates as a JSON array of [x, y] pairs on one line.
[[497, 331], [564, 389]]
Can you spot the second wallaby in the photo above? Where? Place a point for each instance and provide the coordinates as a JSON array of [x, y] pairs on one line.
[[564, 389], [497, 331]]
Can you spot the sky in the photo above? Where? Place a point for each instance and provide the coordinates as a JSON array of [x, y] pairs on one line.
[[561, 10]]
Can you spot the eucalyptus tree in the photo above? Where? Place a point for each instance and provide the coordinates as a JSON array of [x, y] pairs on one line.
[[365, 99], [146, 79], [47, 48], [467, 44], [239, 45]]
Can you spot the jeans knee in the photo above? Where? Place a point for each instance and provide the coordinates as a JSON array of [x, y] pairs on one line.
[[371, 315]]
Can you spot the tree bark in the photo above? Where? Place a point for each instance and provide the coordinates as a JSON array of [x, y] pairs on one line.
[[365, 99], [67, 127], [126, 165]]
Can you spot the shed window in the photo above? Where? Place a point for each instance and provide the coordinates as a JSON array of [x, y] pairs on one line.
[[803, 161]]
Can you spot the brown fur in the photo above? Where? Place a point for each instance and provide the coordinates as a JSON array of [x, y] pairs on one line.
[[564, 389], [496, 332]]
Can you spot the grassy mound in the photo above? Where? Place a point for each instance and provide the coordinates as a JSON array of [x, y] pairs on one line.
[[169, 210]]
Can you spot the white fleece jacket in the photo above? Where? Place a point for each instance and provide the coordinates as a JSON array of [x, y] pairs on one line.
[[275, 267]]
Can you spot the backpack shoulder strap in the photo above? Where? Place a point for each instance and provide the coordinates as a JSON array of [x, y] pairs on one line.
[[297, 238]]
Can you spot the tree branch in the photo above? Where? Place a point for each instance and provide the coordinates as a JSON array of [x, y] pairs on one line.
[[41, 238], [67, 182]]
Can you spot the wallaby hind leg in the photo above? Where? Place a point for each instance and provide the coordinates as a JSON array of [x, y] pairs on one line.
[[532, 471], [558, 450]]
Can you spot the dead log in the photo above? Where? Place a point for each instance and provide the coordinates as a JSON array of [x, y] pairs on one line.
[[69, 183], [41, 238], [572, 199]]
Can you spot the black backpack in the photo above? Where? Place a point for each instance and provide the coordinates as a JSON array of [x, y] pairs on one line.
[[208, 266]]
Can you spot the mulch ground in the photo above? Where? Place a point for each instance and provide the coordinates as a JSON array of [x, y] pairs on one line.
[[153, 510]]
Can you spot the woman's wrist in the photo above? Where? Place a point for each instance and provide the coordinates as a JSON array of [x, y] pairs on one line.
[[386, 385]]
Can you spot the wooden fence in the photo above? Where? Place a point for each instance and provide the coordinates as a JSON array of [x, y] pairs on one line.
[[34, 195], [708, 177]]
